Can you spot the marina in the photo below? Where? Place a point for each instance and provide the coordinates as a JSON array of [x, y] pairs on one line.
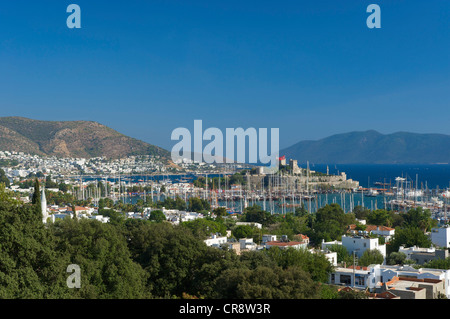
[[276, 194]]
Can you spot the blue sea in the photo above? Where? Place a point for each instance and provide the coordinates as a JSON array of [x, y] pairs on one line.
[[429, 176]]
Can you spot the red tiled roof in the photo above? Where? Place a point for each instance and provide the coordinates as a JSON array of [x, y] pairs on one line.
[[370, 228], [358, 267], [280, 243], [375, 227]]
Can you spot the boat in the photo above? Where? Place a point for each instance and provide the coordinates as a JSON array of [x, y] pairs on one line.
[[371, 193]]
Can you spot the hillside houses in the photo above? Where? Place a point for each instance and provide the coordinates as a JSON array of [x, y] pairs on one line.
[[404, 282]]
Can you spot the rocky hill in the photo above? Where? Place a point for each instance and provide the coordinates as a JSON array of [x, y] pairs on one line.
[[83, 139], [372, 147]]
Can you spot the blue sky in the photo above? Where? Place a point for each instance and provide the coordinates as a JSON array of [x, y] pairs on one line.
[[310, 68]]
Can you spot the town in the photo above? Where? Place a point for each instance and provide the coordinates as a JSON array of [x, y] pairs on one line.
[[246, 211]]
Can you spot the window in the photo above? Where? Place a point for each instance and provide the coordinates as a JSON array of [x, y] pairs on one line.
[[346, 279], [359, 280]]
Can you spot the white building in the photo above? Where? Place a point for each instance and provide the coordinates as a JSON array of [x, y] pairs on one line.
[[382, 273], [384, 231], [359, 277], [414, 250], [359, 244], [286, 244], [329, 244], [441, 236], [375, 276], [266, 238], [215, 241], [330, 255], [247, 244], [257, 225]]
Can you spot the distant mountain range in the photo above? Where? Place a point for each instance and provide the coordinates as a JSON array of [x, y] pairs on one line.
[[372, 147], [88, 139], [82, 139]]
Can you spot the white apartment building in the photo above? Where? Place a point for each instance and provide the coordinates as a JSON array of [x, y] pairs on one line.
[[359, 244], [441, 236]]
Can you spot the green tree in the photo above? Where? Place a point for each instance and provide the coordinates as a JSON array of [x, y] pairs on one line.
[[220, 211], [330, 223], [3, 178], [396, 258], [371, 256], [197, 205], [30, 266], [157, 216], [267, 283], [361, 212], [379, 217], [420, 218], [202, 228], [316, 264], [101, 251], [438, 264], [256, 214], [170, 255], [343, 255], [408, 237]]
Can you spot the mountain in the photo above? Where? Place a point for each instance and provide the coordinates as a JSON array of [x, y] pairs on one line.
[[372, 147], [82, 139]]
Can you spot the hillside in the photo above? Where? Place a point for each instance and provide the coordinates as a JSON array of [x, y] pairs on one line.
[[70, 139], [372, 147]]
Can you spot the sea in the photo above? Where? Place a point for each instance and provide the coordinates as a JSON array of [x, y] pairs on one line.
[[431, 176]]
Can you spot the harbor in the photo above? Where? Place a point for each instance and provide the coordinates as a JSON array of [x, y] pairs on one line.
[[277, 194]]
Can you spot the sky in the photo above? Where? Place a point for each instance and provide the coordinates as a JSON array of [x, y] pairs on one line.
[[310, 68]]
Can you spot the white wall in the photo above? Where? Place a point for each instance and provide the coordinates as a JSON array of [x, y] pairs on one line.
[[441, 236]]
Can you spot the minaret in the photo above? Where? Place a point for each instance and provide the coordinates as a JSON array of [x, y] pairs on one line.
[[44, 206]]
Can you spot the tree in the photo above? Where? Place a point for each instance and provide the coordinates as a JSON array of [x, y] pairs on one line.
[[157, 216], [301, 211], [170, 255], [317, 265], [30, 266], [361, 212], [256, 214], [396, 258], [197, 205], [101, 251], [379, 217], [36, 199], [408, 237], [266, 283], [202, 228], [220, 211], [438, 263], [247, 231], [420, 218], [330, 223], [371, 256], [342, 254], [3, 178]]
